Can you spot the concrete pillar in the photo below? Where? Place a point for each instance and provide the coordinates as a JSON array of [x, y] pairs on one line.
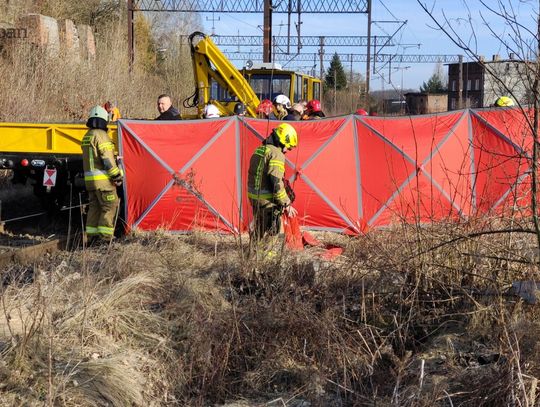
[[69, 40], [87, 42]]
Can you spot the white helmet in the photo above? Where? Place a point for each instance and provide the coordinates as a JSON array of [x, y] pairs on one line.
[[282, 100], [98, 111], [211, 111]]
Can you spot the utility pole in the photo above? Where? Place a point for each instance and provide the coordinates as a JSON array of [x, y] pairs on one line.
[[321, 55], [368, 67], [131, 42], [267, 30], [298, 26], [289, 12], [213, 19], [460, 83], [374, 54]]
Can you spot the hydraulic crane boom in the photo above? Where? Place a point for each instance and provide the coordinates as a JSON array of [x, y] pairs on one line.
[[209, 63], [219, 82]]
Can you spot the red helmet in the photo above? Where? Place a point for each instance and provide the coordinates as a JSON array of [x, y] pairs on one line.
[[314, 105], [361, 112], [265, 107]]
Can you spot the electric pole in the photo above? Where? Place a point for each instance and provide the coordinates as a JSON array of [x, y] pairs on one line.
[[267, 30], [368, 66], [321, 57]]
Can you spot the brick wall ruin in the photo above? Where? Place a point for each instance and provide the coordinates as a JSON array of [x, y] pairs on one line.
[[53, 37]]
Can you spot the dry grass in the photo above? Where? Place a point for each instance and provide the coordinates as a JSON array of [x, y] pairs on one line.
[[409, 316], [188, 320]]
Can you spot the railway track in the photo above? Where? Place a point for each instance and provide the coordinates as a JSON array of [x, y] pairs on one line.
[[29, 250], [27, 233]]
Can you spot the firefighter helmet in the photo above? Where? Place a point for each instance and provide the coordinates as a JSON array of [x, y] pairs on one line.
[[239, 109], [314, 105], [210, 111], [286, 135], [504, 101], [361, 112], [265, 107], [98, 112], [282, 100]]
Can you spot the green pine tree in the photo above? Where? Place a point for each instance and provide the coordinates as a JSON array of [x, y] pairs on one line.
[[336, 77], [433, 85]]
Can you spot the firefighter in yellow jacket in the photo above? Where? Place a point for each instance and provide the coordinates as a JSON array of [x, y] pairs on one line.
[[266, 187], [101, 177]]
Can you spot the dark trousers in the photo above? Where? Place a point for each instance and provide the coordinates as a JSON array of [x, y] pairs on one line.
[[267, 222]]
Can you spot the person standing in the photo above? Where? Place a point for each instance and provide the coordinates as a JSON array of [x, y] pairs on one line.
[[211, 111], [264, 110], [282, 104], [113, 111], [266, 186], [166, 110], [503, 101], [314, 110], [239, 109], [296, 113], [101, 177]]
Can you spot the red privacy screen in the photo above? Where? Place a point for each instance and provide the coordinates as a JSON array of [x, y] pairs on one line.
[[349, 173]]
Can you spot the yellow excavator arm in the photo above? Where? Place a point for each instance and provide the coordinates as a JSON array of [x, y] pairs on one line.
[[209, 63]]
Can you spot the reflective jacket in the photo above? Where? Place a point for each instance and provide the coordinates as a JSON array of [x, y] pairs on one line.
[[114, 114], [99, 163], [265, 177]]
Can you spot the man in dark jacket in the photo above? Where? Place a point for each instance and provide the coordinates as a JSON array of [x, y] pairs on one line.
[[166, 110]]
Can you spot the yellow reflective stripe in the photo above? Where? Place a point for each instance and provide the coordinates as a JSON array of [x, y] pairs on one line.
[[260, 196], [96, 177], [91, 157], [114, 171], [277, 163], [91, 230], [110, 198], [86, 141], [258, 174], [104, 230], [281, 194], [106, 147], [260, 151]]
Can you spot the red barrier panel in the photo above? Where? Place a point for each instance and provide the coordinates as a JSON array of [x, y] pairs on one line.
[[349, 173]]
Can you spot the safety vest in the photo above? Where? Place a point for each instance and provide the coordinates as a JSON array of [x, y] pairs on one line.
[[265, 177], [114, 114], [99, 163]]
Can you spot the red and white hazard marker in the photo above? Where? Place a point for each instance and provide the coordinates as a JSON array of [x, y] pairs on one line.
[[49, 177]]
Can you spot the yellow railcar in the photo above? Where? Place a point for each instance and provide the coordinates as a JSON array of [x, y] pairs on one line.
[[48, 155]]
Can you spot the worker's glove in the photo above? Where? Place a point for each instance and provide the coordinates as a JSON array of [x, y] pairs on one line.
[[291, 211]]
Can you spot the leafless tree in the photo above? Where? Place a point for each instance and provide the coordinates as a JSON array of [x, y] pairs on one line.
[[518, 36]]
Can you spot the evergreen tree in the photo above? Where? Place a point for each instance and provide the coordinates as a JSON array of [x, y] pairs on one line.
[[336, 77], [436, 83]]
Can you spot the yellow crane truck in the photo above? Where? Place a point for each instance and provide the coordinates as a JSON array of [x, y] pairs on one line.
[[219, 82]]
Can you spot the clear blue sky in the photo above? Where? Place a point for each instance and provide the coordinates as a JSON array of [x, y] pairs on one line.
[[463, 14]]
